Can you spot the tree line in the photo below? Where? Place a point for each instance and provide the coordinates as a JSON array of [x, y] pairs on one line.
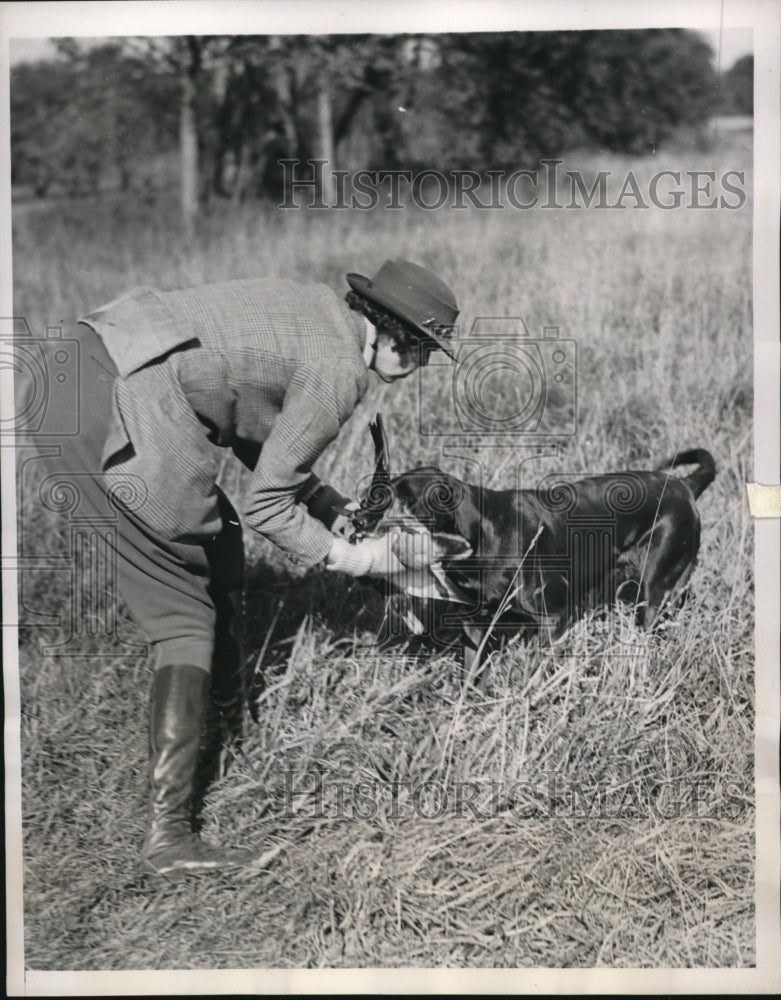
[[228, 109]]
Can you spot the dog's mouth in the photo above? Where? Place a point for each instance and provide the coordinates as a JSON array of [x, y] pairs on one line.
[[383, 511], [375, 507]]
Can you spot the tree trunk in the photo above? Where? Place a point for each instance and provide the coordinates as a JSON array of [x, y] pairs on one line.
[[283, 83], [325, 139], [188, 136], [238, 180]]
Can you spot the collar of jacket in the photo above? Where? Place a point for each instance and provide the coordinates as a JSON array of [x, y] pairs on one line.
[[137, 328]]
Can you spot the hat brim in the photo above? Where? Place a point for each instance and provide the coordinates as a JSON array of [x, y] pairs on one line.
[[363, 286]]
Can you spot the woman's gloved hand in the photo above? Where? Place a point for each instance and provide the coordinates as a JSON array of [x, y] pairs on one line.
[[385, 555], [370, 557], [415, 549]]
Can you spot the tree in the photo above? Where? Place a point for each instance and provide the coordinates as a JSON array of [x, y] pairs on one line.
[[737, 88], [323, 83], [88, 118], [637, 87], [39, 99], [234, 106], [189, 55], [515, 97]]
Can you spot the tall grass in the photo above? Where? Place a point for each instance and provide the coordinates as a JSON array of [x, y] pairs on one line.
[[542, 871]]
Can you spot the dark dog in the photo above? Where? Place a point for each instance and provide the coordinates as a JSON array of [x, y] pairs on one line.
[[540, 558]]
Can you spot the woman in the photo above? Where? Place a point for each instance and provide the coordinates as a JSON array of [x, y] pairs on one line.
[[270, 369]]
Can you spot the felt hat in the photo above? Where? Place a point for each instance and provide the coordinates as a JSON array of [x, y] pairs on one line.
[[414, 295]]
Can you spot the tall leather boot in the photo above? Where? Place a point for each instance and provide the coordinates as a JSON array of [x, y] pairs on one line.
[[177, 711], [228, 692], [224, 729]]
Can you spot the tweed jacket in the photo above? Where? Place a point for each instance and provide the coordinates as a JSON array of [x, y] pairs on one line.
[[269, 368]]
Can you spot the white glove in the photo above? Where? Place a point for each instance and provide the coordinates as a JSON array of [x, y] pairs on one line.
[[370, 557], [415, 548], [394, 552]]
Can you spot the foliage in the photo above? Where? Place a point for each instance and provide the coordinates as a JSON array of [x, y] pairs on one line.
[[476, 101], [94, 117], [736, 88], [622, 91]]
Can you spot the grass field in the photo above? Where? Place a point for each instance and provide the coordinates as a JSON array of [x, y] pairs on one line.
[[593, 804]]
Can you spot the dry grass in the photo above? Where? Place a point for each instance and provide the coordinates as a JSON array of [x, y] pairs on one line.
[[606, 795]]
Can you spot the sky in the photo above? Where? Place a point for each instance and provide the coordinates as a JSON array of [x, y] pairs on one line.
[[732, 42]]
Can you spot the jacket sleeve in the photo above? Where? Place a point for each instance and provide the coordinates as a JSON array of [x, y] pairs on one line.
[[320, 397]]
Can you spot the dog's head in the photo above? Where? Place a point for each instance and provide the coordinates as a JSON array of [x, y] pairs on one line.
[[416, 501], [423, 499]]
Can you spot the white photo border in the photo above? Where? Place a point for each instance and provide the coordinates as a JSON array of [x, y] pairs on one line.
[[170, 17]]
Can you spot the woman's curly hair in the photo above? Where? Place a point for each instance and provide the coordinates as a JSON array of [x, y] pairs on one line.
[[406, 340]]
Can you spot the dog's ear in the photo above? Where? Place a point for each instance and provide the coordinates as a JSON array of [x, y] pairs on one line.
[[448, 546]]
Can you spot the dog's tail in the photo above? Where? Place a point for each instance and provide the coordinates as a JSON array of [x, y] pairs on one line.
[[701, 478]]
